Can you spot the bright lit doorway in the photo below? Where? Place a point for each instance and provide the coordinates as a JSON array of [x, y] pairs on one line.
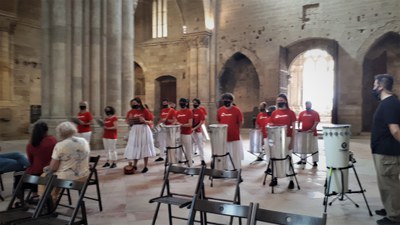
[[312, 79]]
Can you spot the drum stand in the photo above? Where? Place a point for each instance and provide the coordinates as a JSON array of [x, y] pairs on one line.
[[214, 157], [260, 157], [168, 160], [341, 195], [305, 159], [270, 170]]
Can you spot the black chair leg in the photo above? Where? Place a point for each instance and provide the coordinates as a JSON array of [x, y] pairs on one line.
[[98, 191]]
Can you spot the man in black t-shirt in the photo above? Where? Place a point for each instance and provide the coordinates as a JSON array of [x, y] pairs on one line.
[[385, 145]]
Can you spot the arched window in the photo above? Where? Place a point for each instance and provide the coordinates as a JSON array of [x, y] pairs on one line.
[[159, 18]]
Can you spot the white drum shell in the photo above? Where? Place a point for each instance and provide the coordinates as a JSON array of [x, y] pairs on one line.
[[304, 143], [337, 144], [278, 149], [256, 138], [173, 140], [218, 137]]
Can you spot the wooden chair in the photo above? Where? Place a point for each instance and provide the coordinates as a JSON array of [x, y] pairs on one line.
[[167, 196], [282, 218], [220, 208], [13, 213], [58, 216]]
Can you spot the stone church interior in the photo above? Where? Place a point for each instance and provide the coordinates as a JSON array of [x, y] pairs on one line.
[[56, 53]]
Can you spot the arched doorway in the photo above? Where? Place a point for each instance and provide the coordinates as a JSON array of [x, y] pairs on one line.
[[240, 77], [139, 82], [165, 88], [312, 79], [382, 57]]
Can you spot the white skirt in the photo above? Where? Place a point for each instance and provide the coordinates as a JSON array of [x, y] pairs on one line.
[[140, 143]]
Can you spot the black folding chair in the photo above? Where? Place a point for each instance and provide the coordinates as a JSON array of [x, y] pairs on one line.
[[93, 179], [227, 175], [220, 208], [167, 196], [13, 213], [59, 216], [1, 186], [282, 218]]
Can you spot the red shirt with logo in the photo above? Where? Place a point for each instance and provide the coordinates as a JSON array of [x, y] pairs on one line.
[[110, 133], [85, 117], [262, 121], [183, 116], [198, 116], [233, 117], [307, 119], [204, 110], [167, 114], [139, 112], [281, 117]]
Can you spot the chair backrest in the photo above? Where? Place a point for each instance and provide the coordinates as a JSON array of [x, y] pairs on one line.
[[80, 187], [192, 171], [223, 209], [26, 179], [93, 161], [282, 218], [234, 175]]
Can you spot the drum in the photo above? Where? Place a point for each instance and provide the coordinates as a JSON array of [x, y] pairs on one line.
[[336, 143], [173, 134], [303, 143], [278, 149], [218, 138], [256, 138]]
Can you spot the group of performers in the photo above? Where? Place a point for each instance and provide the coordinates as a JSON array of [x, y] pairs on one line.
[[140, 143]]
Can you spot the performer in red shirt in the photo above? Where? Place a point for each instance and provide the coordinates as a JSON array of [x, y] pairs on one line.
[[232, 116], [39, 151], [110, 136], [309, 119], [284, 116], [167, 117], [86, 119], [184, 117], [140, 142], [199, 119]]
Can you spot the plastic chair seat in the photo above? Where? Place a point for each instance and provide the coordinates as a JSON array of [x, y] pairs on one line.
[[16, 214]]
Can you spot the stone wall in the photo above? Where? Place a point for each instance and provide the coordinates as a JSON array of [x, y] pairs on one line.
[[260, 27]]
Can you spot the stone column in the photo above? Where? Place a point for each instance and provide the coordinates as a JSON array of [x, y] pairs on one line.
[[77, 51], [127, 54], [114, 9], [192, 66], [203, 62], [95, 58], [45, 58], [58, 68]]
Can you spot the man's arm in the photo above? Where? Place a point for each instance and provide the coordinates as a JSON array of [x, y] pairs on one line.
[[395, 131]]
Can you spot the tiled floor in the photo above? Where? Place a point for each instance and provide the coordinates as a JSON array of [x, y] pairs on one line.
[[125, 197]]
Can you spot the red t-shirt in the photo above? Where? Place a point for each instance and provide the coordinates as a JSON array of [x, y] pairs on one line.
[[110, 133], [40, 156], [204, 110], [262, 121], [85, 117], [198, 117], [233, 117], [139, 112], [281, 117], [183, 116], [167, 114], [307, 119]]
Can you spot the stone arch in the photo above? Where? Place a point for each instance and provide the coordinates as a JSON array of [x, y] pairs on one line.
[[382, 57], [239, 76], [289, 53]]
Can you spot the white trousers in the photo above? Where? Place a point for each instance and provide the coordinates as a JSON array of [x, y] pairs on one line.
[[111, 149], [186, 141], [86, 135], [199, 143]]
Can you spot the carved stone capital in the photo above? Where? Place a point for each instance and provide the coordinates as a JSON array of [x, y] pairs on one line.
[[198, 39]]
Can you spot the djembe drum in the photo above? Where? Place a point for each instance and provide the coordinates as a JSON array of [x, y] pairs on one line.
[[278, 150], [256, 138]]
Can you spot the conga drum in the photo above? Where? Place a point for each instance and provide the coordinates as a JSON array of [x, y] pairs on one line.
[[278, 149], [173, 134], [303, 143], [218, 138], [337, 143], [256, 138]]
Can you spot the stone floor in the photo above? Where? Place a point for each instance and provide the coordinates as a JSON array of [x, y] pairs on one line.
[[125, 197]]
